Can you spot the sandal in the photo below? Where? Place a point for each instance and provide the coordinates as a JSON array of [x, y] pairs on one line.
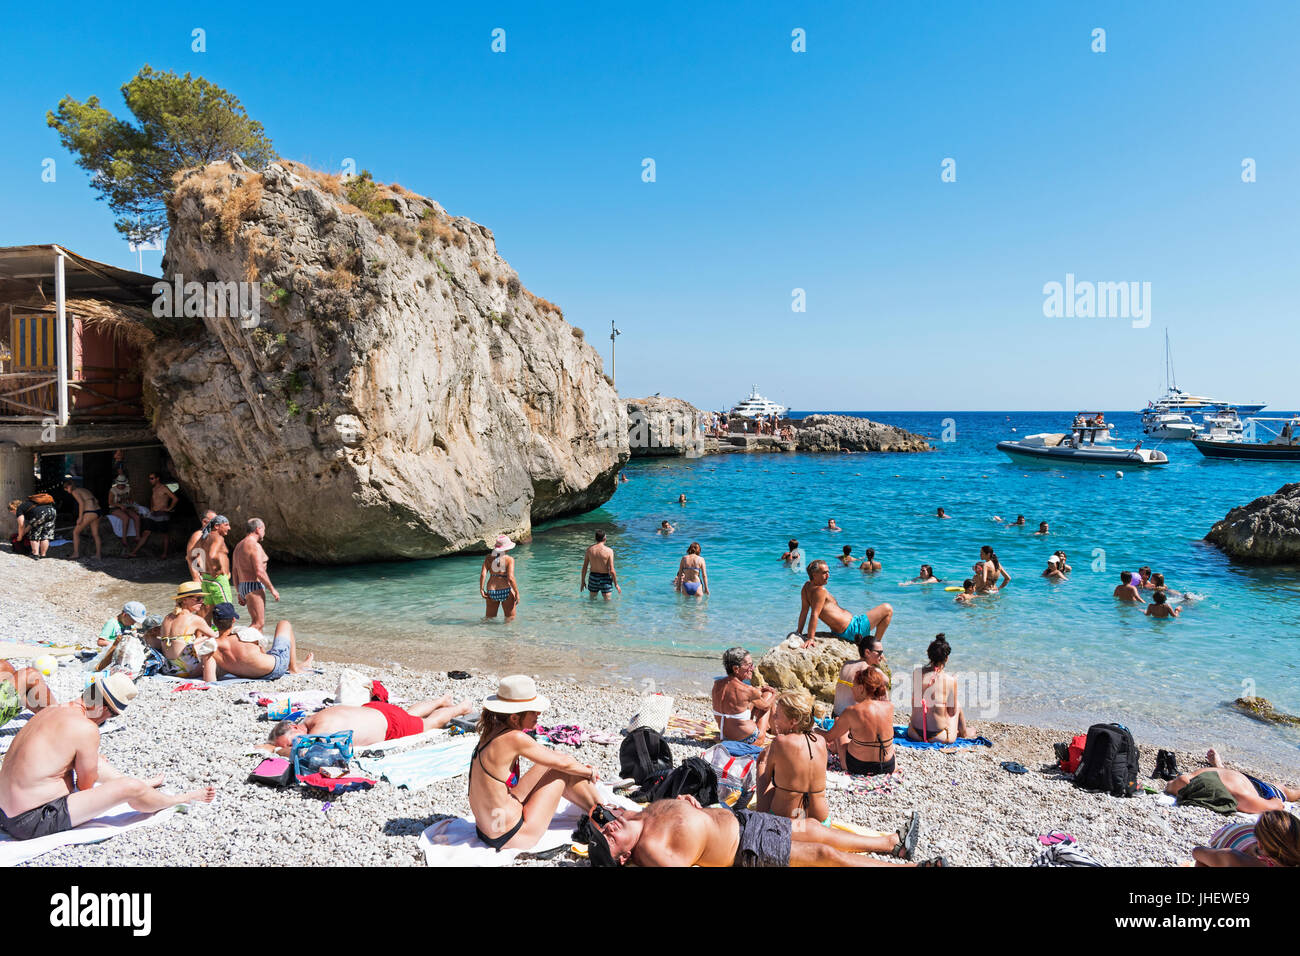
[[941, 861], [907, 839]]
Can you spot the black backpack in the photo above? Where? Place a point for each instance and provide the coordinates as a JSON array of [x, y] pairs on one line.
[[695, 777], [1110, 761], [644, 756]]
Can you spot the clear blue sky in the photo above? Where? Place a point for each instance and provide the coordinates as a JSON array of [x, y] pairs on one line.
[[778, 170]]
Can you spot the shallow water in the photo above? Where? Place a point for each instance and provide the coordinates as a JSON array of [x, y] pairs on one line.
[[1056, 654]]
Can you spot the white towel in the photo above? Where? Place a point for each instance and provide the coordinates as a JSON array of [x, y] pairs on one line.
[[116, 820], [453, 842]]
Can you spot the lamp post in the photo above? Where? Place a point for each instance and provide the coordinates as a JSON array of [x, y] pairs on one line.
[[612, 333]]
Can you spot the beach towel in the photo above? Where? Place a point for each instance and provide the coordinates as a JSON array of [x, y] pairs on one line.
[[738, 748], [1207, 790], [112, 822], [1065, 853], [10, 730], [882, 784], [453, 842], [414, 769], [900, 740], [691, 729], [116, 523]]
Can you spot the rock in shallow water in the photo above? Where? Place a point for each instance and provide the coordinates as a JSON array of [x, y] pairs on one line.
[[1266, 531]]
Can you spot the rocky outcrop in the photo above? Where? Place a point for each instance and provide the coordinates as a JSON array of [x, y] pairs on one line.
[[815, 670], [846, 433], [658, 427], [394, 391], [1266, 531], [1261, 709]]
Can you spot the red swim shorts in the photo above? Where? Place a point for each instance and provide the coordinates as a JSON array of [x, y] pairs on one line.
[[400, 723]]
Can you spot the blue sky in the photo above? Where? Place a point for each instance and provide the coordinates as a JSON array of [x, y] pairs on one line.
[[778, 170]]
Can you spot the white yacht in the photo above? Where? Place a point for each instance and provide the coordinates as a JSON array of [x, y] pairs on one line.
[[1168, 425], [1223, 426], [1087, 443], [756, 406], [1176, 401]]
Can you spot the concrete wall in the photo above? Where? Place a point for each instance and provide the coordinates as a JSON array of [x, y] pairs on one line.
[[16, 481]]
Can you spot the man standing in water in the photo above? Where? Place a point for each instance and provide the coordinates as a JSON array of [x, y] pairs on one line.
[[816, 603], [250, 578], [216, 561], [603, 578], [193, 553]]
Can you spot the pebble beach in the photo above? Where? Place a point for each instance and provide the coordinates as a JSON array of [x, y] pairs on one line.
[[973, 812]]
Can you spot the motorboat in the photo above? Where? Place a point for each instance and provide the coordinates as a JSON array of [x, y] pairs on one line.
[[1284, 446], [756, 406], [1088, 442], [1176, 401], [1222, 426], [1167, 425]]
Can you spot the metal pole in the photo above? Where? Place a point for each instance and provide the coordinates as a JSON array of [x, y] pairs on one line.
[[61, 330], [612, 332]]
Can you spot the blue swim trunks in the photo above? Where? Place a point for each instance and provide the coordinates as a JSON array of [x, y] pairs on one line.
[[1266, 790], [858, 627], [600, 583], [280, 651]]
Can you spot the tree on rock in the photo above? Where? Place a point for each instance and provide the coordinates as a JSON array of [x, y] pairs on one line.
[[182, 122]]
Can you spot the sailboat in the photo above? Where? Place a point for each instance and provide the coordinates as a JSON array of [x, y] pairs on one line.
[[1176, 402]]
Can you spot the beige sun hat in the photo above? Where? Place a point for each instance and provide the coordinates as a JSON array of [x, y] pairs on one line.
[[115, 692], [187, 590], [516, 694]]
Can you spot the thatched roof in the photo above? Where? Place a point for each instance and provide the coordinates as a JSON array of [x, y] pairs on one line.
[[127, 323]]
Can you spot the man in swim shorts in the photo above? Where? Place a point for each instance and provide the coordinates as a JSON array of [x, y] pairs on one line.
[[682, 833], [370, 724], [1252, 794], [816, 603], [216, 562], [49, 775], [248, 564], [603, 578], [239, 656], [161, 504]]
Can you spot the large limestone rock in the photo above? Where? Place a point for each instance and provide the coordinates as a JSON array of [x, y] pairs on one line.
[[398, 393], [845, 432], [1266, 531], [815, 670], [660, 427]]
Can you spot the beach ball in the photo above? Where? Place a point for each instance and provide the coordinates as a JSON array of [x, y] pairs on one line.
[[46, 664]]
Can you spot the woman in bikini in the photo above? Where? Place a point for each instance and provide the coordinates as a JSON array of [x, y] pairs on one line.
[[182, 630], [988, 570], [496, 580], [863, 735], [1271, 840], [692, 577], [936, 715], [513, 810], [792, 770], [742, 710]]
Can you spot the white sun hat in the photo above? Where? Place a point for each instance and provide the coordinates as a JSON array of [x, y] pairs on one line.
[[516, 694]]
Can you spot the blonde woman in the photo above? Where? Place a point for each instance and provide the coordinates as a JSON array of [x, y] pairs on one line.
[[792, 770]]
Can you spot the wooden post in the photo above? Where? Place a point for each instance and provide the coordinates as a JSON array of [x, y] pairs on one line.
[[61, 331]]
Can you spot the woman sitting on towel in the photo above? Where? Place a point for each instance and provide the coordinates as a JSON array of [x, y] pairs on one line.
[[936, 715], [513, 810], [863, 735], [1272, 840], [792, 770]]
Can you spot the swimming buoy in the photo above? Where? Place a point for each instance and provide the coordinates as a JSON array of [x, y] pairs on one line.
[[953, 589]]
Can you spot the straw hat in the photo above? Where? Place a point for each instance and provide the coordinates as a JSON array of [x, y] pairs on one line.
[[516, 694], [115, 692], [187, 590], [503, 543]]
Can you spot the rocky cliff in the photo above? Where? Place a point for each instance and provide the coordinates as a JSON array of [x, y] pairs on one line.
[[836, 432], [393, 391], [664, 426], [1266, 531]]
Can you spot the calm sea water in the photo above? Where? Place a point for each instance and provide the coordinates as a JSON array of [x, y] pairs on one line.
[[1063, 653]]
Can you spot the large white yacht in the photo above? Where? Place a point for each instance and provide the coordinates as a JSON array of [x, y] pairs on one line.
[[1176, 401], [756, 405]]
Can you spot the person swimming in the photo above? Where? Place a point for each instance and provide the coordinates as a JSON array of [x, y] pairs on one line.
[[847, 559], [967, 595], [870, 565], [832, 526], [926, 576]]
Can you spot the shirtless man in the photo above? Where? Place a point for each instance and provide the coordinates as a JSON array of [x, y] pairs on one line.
[[939, 514], [194, 553], [793, 555], [249, 565], [692, 576], [216, 562], [815, 603], [665, 528], [371, 723], [161, 504], [871, 653], [1042, 529], [88, 514], [1159, 606], [682, 833], [1252, 794], [244, 658], [870, 565], [832, 526], [185, 639], [47, 780], [742, 709], [603, 578], [1053, 570], [1126, 590], [967, 595], [847, 557]]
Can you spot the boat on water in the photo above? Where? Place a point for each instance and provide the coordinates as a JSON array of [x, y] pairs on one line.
[[1089, 442], [1167, 425], [1284, 446], [1176, 401], [756, 406], [1222, 426]]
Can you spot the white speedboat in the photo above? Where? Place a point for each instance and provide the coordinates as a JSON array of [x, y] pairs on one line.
[[1167, 425], [756, 406], [1223, 426], [1087, 443]]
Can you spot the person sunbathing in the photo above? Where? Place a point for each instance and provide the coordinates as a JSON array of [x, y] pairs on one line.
[[796, 756], [682, 833], [817, 603], [936, 715], [512, 811], [235, 654], [49, 775], [863, 736], [742, 710], [871, 653], [1272, 840], [370, 723], [1252, 794]]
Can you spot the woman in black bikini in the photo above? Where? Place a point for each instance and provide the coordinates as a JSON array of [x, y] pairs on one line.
[[792, 770], [513, 810], [864, 734]]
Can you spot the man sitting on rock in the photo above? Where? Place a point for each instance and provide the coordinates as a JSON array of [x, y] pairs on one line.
[[742, 709], [817, 603], [239, 651], [682, 833], [371, 723], [49, 776]]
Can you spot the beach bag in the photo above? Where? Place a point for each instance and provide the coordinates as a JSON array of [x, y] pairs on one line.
[[695, 777], [737, 776], [1069, 762], [653, 712], [644, 756], [272, 772], [20, 547], [353, 689], [1109, 762], [313, 751]]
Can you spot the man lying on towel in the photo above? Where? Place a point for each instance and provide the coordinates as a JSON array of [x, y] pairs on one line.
[[239, 652], [38, 794], [682, 833], [370, 724]]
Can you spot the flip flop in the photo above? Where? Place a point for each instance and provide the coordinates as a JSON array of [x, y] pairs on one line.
[[907, 838], [458, 675], [1010, 766], [1055, 837]]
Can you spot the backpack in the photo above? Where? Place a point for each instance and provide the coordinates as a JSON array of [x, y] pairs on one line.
[[695, 777], [644, 756], [40, 499], [1109, 762]]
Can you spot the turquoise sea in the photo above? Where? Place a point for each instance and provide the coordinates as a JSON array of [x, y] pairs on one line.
[[1065, 654]]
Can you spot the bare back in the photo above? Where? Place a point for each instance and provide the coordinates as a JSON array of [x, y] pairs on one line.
[[241, 658], [600, 558], [39, 765], [829, 612], [248, 560], [731, 697]]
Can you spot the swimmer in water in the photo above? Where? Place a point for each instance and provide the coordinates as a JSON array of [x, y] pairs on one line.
[[967, 595], [1053, 571], [870, 564], [1126, 590], [1065, 565], [926, 576], [793, 554], [986, 576], [1019, 522], [1042, 528], [665, 528], [681, 499], [847, 557], [832, 526], [1159, 606], [940, 514], [1144, 579]]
